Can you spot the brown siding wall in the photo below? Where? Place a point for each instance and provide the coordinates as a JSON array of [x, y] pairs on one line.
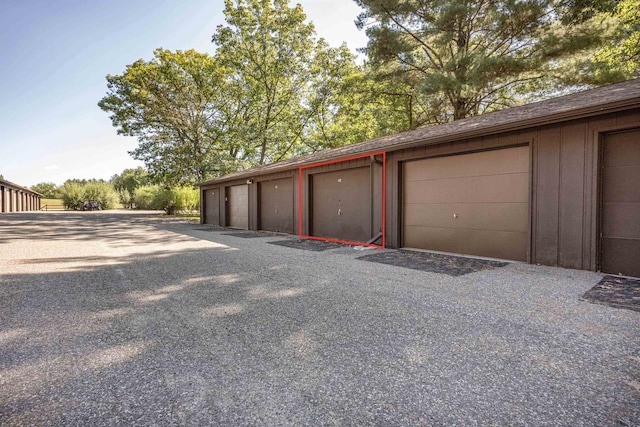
[[253, 196], [564, 185], [566, 189], [564, 195]]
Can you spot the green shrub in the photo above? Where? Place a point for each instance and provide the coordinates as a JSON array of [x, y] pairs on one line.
[[72, 195], [103, 193], [143, 196], [170, 200], [186, 198]]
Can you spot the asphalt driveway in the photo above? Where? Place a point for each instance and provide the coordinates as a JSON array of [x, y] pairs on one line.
[[137, 319]]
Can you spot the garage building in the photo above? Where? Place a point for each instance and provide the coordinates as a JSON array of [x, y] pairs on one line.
[[15, 198], [555, 182]]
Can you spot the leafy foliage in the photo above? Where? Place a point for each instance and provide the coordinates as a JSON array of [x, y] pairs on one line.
[[48, 189], [143, 197], [268, 49], [273, 90], [176, 106], [75, 192], [126, 183], [72, 194], [347, 106], [293, 87], [620, 59], [463, 58], [170, 200]]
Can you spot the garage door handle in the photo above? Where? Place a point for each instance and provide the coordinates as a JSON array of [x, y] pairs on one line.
[[339, 212]]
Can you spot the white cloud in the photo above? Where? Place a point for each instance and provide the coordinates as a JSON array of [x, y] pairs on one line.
[[51, 168]]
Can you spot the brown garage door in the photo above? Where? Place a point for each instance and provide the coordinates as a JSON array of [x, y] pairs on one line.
[[475, 204], [620, 219], [342, 204], [212, 206], [276, 205], [238, 206]]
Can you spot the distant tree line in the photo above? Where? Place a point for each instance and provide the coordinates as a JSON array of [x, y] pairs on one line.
[[131, 189], [273, 89]]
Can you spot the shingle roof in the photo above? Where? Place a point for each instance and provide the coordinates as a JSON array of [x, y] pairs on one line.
[[586, 103]]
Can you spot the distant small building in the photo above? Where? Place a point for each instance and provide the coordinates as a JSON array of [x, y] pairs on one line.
[[16, 198]]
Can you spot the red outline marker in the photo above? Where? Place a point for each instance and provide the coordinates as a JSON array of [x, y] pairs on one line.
[[384, 198]]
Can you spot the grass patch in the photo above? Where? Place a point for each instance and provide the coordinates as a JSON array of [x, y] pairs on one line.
[[188, 214], [52, 204]]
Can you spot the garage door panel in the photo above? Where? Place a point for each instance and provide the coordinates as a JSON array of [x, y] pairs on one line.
[[212, 206], [506, 245], [626, 150], [622, 220], [497, 162], [625, 261], [498, 189], [621, 184], [238, 207], [356, 232], [276, 205], [489, 194], [476, 216], [342, 204]]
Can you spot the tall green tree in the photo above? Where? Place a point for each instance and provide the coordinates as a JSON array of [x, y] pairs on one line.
[[48, 189], [178, 108], [348, 106], [456, 59], [620, 59], [268, 48], [289, 82], [126, 183], [272, 90]]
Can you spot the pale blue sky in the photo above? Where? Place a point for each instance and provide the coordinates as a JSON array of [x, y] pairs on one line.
[[54, 56]]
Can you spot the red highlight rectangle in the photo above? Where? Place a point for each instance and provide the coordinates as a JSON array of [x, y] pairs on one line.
[[384, 198]]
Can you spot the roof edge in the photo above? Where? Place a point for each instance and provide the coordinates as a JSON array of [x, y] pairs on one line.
[[20, 187]]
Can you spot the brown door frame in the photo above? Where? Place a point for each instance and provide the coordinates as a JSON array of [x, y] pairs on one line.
[[601, 134], [599, 198]]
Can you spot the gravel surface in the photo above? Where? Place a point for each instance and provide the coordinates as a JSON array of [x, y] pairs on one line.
[[138, 319]]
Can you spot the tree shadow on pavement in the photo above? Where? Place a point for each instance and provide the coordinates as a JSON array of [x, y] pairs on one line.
[[151, 322]]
